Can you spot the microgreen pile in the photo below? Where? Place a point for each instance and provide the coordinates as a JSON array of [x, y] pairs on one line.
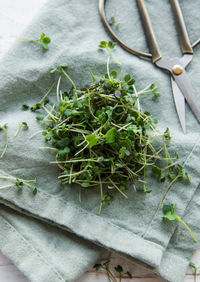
[[102, 138], [100, 135]]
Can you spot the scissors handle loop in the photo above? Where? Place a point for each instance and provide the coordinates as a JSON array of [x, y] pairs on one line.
[[184, 40], [115, 37]]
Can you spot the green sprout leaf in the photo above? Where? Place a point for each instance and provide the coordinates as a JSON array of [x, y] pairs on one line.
[[119, 269], [34, 190], [44, 40], [111, 44], [59, 68], [25, 107], [110, 135], [39, 117], [92, 140], [97, 266], [113, 74], [63, 152], [85, 184], [103, 44], [169, 213]]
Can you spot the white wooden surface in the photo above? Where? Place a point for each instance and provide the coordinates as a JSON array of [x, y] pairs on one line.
[[14, 17]]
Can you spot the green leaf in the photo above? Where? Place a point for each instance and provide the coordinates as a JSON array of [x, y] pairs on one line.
[[24, 125], [111, 44], [133, 128], [46, 40], [39, 117], [119, 269], [106, 199], [59, 68], [170, 215], [193, 265], [122, 152], [148, 191], [92, 139], [129, 274], [63, 152], [110, 135], [119, 165], [64, 142], [169, 208], [187, 176], [167, 134], [97, 266], [45, 45], [127, 77], [103, 44], [42, 35], [35, 107], [85, 184], [113, 74], [19, 183], [169, 211], [156, 170], [25, 107], [34, 190], [131, 81]]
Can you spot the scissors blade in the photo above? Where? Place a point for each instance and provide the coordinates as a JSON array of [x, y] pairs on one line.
[[183, 82], [179, 103], [185, 86]]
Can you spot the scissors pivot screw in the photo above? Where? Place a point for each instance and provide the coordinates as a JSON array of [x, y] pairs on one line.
[[177, 69]]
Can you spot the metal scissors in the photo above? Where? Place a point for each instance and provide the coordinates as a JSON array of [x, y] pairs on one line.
[[181, 86]]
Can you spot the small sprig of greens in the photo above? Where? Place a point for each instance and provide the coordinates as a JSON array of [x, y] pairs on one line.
[[119, 269], [4, 129], [39, 117], [100, 135], [156, 93], [172, 169], [44, 40], [23, 125], [193, 266], [20, 183], [112, 22], [25, 107], [41, 104], [169, 213]]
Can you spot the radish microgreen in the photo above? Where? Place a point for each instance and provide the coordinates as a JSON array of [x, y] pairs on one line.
[[44, 40], [110, 273], [25, 107], [192, 265], [19, 183], [102, 138], [23, 125], [169, 213]]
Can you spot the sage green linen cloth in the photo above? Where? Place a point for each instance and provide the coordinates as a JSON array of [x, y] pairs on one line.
[[42, 251], [139, 232]]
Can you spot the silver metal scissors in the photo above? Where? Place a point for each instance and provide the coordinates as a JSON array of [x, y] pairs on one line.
[[181, 86]]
